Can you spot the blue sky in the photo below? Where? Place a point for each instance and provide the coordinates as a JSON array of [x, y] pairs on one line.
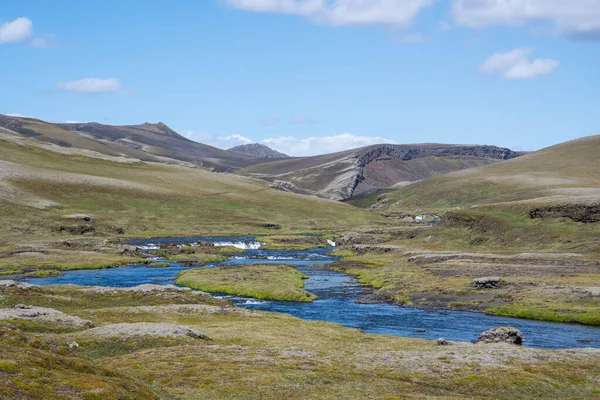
[[310, 76]]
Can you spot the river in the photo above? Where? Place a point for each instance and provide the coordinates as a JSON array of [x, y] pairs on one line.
[[338, 293]]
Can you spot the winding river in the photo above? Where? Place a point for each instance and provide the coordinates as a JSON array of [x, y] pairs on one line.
[[338, 293]]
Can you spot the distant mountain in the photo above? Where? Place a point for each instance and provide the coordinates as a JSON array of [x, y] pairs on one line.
[[349, 173], [256, 150], [146, 142]]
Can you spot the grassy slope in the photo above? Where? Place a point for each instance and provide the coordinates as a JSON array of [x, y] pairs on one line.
[[562, 173], [150, 199], [254, 355], [268, 282], [148, 142]]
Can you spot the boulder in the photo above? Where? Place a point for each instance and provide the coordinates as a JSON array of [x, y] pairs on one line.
[[48, 315], [488, 282], [17, 285], [442, 342], [503, 334]]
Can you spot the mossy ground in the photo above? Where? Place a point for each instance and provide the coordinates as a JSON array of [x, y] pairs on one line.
[[254, 355], [267, 282]]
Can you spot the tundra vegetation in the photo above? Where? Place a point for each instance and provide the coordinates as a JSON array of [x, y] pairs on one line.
[[146, 345], [532, 222]]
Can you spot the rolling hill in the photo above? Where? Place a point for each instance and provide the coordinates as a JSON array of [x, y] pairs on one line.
[[568, 173], [40, 184], [147, 142], [346, 174]]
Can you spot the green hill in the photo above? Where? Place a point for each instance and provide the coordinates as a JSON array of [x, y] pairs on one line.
[[40, 186], [567, 173]]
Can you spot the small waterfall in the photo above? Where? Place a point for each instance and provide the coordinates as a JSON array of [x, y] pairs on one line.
[[240, 245]]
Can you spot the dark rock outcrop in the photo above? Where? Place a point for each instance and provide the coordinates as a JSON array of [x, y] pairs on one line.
[[407, 153], [585, 213]]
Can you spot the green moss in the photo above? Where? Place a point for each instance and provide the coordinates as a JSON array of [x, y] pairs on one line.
[[267, 282], [43, 273], [8, 366], [550, 312]]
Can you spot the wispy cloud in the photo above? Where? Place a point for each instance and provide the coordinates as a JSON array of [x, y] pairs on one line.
[[221, 142], [269, 121], [340, 12], [290, 145], [15, 31], [517, 64], [570, 17], [321, 145], [47, 41], [91, 85]]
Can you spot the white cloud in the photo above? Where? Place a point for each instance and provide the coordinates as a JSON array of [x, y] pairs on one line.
[[18, 30], [340, 12], [290, 145], [17, 115], [221, 142], [321, 145], [91, 85], [517, 64], [71, 121], [573, 17]]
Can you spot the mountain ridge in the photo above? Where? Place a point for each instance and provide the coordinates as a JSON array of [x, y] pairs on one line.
[[348, 173], [258, 150]]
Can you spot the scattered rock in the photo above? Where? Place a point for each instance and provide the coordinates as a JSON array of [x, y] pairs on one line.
[[43, 314], [75, 230], [488, 282], [442, 342], [272, 226], [146, 288], [13, 284], [81, 217], [503, 334], [593, 291], [431, 240], [363, 249], [147, 329]]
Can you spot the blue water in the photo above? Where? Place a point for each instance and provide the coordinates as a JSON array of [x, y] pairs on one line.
[[337, 300]]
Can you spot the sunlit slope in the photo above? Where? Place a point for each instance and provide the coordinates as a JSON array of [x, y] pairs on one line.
[[563, 174], [39, 187], [148, 142]]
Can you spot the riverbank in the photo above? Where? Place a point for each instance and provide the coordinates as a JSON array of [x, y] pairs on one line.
[[556, 287], [249, 354]]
